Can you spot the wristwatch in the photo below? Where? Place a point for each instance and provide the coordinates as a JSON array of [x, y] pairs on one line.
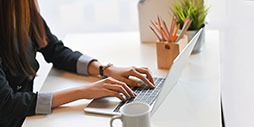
[[103, 68]]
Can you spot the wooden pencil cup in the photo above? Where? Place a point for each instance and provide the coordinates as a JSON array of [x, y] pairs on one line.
[[168, 51]]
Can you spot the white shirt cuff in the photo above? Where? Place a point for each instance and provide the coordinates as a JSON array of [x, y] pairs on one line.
[[44, 103], [83, 63]]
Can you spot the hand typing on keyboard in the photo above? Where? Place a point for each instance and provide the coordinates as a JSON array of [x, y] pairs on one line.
[[144, 93], [124, 73]]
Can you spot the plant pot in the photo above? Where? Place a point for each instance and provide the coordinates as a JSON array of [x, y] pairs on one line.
[[199, 46]]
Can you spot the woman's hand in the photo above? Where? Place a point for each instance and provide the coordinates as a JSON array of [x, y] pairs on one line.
[[123, 74], [101, 88], [107, 87]]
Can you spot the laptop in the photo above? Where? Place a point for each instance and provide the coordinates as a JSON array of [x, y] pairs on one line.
[[154, 97]]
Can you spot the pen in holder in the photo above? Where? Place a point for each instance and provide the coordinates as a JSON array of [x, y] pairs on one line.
[[168, 51], [171, 40]]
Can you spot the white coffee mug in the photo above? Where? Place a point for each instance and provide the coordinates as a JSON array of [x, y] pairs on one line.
[[134, 115]]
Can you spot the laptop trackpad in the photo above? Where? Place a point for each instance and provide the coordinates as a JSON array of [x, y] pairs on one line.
[[104, 105]]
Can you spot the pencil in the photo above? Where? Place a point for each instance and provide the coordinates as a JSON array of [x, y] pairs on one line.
[[155, 26], [164, 34], [167, 32], [189, 23], [175, 33], [155, 33], [172, 27], [184, 29]]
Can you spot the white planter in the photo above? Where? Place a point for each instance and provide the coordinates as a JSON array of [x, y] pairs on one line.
[[199, 46]]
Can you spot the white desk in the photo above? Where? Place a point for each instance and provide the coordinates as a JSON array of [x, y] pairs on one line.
[[194, 102]]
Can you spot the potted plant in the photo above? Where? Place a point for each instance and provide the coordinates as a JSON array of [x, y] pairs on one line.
[[196, 11]]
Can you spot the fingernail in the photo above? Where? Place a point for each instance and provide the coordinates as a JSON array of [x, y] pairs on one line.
[[139, 84]]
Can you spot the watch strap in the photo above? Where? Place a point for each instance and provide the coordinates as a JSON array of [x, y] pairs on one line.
[[103, 68]]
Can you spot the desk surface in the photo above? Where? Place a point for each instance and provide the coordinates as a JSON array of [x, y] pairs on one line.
[[194, 102]]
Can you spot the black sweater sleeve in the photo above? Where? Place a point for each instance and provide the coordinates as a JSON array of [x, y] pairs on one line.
[[14, 107], [62, 57]]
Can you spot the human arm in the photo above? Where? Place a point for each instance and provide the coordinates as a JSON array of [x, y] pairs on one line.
[[101, 88], [64, 58], [123, 73], [14, 106]]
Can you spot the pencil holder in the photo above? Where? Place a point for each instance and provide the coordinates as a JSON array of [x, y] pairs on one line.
[[168, 51]]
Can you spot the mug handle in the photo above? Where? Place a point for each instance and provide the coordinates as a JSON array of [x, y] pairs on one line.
[[114, 118]]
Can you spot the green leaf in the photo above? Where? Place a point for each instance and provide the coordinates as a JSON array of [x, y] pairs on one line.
[[194, 9]]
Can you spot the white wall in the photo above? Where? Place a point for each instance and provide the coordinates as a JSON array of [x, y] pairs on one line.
[[216, 13], [75, 16], [237, 57]]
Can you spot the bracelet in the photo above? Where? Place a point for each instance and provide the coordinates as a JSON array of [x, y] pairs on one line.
[[103, 68]]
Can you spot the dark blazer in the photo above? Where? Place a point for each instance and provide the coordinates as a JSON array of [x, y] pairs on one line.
[[16, 92]]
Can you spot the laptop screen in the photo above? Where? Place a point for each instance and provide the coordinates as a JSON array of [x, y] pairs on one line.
[[175, 71]]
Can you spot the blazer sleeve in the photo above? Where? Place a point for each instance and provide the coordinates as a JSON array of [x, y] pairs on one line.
[[14, 106], [62, 57]]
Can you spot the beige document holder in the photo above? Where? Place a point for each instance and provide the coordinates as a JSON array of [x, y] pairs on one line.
[[149, 10]]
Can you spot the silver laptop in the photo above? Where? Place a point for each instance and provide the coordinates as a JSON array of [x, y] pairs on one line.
[[154, 97]]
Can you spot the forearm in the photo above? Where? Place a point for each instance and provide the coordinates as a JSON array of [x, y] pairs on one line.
[[93, 68], [73, 94], [66, 96]]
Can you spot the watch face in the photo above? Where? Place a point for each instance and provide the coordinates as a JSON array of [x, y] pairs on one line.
[[101, 70]]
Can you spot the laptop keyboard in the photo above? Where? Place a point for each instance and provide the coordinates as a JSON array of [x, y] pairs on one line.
[[144, 94]]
